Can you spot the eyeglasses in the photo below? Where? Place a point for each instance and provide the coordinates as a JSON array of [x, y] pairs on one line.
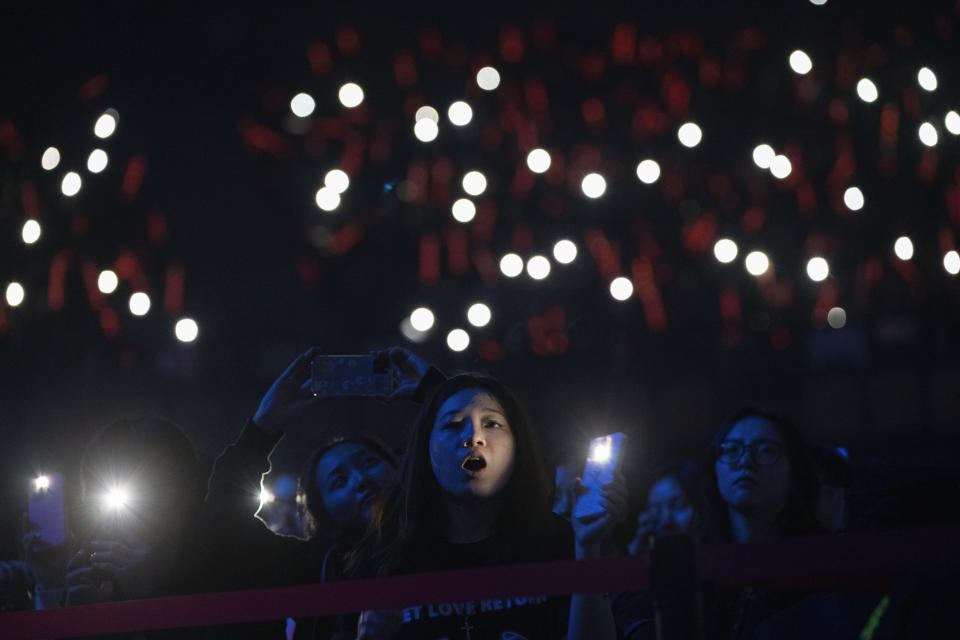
[[763, 452]]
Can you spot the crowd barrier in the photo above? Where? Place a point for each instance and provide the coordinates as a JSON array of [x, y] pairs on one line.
[[852, 560]]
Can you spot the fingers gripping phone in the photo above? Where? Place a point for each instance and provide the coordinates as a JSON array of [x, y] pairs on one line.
[[603, 461], [46, 509], [369, 375]]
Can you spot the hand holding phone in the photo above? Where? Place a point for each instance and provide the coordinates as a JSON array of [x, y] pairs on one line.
[[46, 510], [603, 462], [369, 375]]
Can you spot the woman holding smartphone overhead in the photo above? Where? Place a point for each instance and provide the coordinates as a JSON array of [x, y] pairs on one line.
[[473, 492]]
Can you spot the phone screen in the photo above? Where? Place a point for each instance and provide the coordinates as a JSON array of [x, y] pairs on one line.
[[367, 375], [603, 460], [46, 508]]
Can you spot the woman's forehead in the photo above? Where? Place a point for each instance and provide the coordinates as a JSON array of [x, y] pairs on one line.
[[469, 399], [755, 428], [340, 453]]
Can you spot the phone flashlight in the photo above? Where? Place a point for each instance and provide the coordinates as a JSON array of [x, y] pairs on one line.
[[266, 497], [41, 483], [115, 499], [601, 450]]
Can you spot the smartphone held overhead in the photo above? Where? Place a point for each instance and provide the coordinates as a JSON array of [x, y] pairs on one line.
[[603, 461], [367, 375], [46, 509]]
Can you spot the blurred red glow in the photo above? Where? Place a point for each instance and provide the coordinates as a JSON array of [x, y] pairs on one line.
[[93, 88], [429, 260], [318, 54]]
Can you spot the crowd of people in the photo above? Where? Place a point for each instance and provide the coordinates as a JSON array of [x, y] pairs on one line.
[[472, 488]]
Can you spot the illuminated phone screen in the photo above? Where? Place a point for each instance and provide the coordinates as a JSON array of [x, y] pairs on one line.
[[603, 460]]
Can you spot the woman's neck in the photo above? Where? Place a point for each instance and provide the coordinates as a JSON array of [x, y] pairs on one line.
[[750, 527], [466, 522]]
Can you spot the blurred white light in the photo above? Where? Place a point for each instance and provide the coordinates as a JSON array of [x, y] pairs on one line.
[[837, 317], [903, 247], [757, 263], [928, 134], [818, 269], [538, 267], [302, 105], [488, 78], [593, 185], [689, 134], [266, 496], [327, 198], [116, 498], [927, 79], [186, 330], [15, 294], [648, 171], [538, 160], [458, 340], [426, 130], [780, 167], [725, 250], [819, 3], [951, 262], [867, 90], [107, 281], [464, 210], [853, 198], [350, 95], [763, 155], [70, 186], [479, 314], [50, 158], [337, 180], [422, 319], [41, 483], [460, 113], [139, 303], [105, 125], [97, 161], [800, 62], [410, 333], [952, 122], [31, 231], [621, 288], [428, 112], [565, 251], [511, 265], [474, 183]]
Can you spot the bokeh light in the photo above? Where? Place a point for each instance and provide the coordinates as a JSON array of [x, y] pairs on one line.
[[15, 294], [621, 288], [350, 95], [474, 183], [689, 134], [818, 269], [780, 167], [139, 304], [853, 198], [757, 263], [837, 318], [115, 499], [951, 262], [725, 250], [538, 267], [458, 340], [70, 186], [952, 122], [648, 171], [927, 79], [903, 248], [463, 210], [538, 160], [302, 105], [488, 78], [186, 330], [867, 91], [928, 134], [97, 161], [422, 319], [327, 199], [50, 158], [564, 251], [107, 281], [428, 112], [593, 185], [106, 124], [337, 180], [460, 113], [511, 265], [763, 155], [31, 231], [479, 314], [800, 62], [426, 130]]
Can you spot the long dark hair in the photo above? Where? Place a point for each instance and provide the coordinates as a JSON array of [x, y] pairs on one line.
[[798, 516], [309, 492], [408, 528]]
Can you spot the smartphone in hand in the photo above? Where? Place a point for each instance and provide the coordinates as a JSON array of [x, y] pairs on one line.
[[369, 375], [46, 509], [603, 461]]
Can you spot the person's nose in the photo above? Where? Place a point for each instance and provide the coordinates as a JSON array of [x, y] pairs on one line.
[[362, 480], [473, 434]]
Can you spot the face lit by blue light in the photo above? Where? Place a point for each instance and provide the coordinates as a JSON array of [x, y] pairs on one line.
[[744, 484], [352, 477]]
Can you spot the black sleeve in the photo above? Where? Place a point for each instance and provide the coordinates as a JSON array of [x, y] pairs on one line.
[[239, 550], [633, 614]]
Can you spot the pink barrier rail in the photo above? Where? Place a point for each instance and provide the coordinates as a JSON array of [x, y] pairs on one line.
[[853, 560]]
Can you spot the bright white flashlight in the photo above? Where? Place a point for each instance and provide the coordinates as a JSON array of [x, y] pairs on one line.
[[602, 451], [41, 483], [116, 499]]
